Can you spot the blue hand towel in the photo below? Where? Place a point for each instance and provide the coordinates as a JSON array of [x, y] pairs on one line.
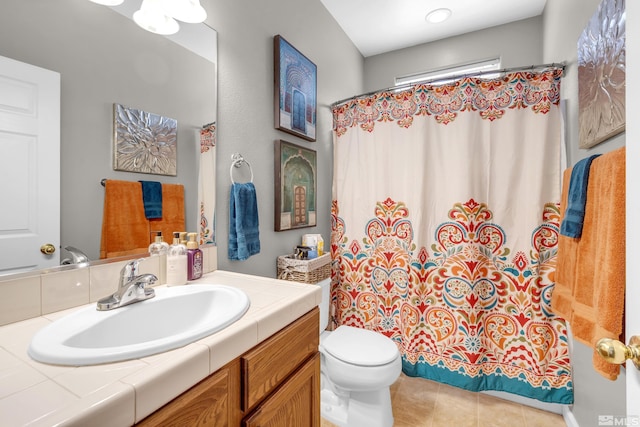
[[577, 198], [244, 236], [152, 199]]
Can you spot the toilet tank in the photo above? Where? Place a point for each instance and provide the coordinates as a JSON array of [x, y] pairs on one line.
[[325, 285]]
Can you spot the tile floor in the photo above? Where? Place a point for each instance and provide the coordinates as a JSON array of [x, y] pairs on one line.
[[422, 403]]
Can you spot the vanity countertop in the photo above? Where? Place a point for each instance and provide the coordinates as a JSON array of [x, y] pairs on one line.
[[123, 393]]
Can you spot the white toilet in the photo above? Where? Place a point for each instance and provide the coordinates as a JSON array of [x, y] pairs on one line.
[[357, 367]]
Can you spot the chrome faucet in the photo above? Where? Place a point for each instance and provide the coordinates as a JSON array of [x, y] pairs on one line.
[[77, 256], [131, 289]]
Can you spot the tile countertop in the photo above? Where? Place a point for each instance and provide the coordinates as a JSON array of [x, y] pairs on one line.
[[123, 393]]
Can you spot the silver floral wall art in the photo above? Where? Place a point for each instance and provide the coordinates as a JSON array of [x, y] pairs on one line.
[[144, 142], [601, 74]]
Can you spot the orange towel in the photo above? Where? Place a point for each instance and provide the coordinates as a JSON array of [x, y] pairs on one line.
[[172, 212], [125, 228], [590, 271]]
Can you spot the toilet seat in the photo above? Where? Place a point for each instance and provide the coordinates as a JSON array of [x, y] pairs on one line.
[[360, 347]]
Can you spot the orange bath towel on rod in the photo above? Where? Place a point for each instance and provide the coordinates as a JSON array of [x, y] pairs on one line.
[[590, 271], [125, 228]]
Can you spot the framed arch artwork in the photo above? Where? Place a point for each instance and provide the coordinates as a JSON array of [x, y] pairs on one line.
[[295, 80], [295, 186]]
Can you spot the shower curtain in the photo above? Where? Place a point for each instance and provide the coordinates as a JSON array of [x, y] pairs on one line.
[[445, 220], [207, 184]]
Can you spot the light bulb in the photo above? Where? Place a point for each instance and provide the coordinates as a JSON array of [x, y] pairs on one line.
[[438, 15], [185, 10], [152, 17]]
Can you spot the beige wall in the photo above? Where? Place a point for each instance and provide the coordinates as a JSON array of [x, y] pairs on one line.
[[245, 113], [563, 23], [517, 44], [245, 108], [103, 58]]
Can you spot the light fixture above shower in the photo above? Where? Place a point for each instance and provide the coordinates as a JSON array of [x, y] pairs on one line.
[[438, 15], [162, 16]]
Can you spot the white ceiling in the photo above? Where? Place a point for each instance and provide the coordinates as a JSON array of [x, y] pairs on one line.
[[378, 26]]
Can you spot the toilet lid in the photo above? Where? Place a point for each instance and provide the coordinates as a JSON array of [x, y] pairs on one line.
[[360, 346]]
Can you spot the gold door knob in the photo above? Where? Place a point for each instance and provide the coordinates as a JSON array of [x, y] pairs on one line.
[[47, 249], [613, 351]]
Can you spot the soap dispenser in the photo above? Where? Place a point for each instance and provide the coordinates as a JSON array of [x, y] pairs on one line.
[[177, 262], [194, 258], [160, 248]]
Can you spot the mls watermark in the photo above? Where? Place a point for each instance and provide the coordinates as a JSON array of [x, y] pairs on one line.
[[618, 420]]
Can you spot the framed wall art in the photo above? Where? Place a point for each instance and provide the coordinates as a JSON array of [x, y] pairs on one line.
[[144, 142], [601, 75], [295, 186], [295, 79]]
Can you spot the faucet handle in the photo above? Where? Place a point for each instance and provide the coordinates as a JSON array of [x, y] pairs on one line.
[[129, 271], [146, 280], [77, 255]]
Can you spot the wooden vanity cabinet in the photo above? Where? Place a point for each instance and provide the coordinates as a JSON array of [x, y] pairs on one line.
[[281, 377], [295, 403], [277, 383], [213, 402]]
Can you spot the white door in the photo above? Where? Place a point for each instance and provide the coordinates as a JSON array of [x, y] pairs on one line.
[[632, 326], [29, 166]]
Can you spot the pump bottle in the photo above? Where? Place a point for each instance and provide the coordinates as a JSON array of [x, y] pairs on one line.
[[160, 248], [194, 258], [177, 262]]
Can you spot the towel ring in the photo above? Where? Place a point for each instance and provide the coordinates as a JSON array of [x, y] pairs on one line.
[[237, 160]]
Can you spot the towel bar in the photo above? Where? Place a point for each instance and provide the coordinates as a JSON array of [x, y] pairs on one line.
[[237, 160]]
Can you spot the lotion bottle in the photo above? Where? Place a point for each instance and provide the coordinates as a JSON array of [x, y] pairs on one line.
[[177, 262], [160, 248], [194, 258]]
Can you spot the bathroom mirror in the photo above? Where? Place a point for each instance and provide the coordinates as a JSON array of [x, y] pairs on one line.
[[103, 58]]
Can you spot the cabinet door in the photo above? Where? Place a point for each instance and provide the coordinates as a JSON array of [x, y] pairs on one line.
[[295, 403], [213, 402], [273, 361]]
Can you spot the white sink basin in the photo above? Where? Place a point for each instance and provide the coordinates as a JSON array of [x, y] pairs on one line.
[[176, 316]]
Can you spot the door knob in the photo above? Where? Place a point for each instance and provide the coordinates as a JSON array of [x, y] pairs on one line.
[[47, 249], [613, 351]]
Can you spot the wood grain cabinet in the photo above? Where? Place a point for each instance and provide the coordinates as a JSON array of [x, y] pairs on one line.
[[295, 403], [275, 384], [214, 401]]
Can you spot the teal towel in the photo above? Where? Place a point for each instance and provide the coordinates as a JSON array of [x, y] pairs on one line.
[[152, 199], [577, 199], [244, 235]]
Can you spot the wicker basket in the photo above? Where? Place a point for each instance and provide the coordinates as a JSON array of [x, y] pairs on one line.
[[304, 270]]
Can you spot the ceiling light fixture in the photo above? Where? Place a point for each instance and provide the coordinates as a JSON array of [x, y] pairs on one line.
[[185, 10], [152, 17], [438, 15], [159, 16]]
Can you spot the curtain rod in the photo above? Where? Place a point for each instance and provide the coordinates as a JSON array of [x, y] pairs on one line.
[[453, 77]]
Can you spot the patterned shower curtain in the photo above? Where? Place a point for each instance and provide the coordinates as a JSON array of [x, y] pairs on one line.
[[207, 184], [445, 224]]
